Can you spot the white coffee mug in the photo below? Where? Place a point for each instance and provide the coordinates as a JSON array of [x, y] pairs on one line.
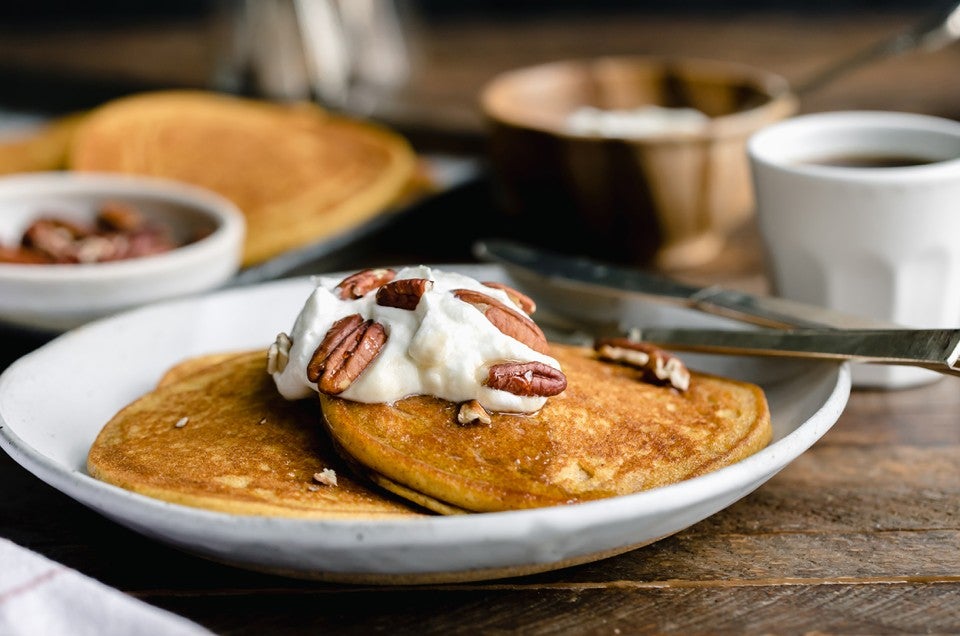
[[859, 211]]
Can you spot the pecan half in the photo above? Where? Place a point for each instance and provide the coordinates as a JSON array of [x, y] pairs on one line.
[[659, 367], [472, 412], [147, 240], [404, 293], [363, 282], [509, 321], [56, 238], [100, 249], [527, 379], [523, 301], [347, 349], [119, 217], [336, 334]]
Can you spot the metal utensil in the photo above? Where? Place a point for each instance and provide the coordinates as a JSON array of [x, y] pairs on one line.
[[581, 274], [935, 32], [935, 349], [798, 330]]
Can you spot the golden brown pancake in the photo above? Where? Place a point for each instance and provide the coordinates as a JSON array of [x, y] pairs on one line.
[[298, 172], [190, 366], [219, 436], [39, 149], [607, 434]]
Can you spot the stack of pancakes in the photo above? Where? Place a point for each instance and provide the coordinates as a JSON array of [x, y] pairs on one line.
[[298, 172], [216, 434]]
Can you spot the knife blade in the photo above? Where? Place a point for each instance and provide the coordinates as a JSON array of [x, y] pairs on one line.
[[784, 327], [935, 349], [584, 274]]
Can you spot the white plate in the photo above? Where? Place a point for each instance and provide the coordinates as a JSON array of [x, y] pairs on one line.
[[54, 401]]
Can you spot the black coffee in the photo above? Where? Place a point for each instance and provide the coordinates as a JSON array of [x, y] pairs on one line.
[[872, 161]]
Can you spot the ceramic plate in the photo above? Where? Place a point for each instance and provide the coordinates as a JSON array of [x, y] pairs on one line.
[[54, 401]]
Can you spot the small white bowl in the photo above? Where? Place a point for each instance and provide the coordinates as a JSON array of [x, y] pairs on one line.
[[55, 298]]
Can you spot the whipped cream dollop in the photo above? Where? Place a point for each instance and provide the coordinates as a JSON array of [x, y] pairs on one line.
[[637, 122], [443, 347]]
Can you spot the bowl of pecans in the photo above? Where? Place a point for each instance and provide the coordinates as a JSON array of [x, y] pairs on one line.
[[77, 247]]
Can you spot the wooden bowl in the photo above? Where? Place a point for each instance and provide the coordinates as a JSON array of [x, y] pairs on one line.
[[665, 198]]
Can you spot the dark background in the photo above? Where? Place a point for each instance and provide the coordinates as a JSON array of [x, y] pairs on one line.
[[35, 82], [44, 13]]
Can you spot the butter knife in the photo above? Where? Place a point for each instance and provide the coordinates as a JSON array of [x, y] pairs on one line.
[[789, 328], [935, 349], [582, 274]]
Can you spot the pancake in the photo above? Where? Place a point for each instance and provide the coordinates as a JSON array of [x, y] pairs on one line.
[[189, 366], [217, 435], [297, 172], [40, 148], [609, 433]]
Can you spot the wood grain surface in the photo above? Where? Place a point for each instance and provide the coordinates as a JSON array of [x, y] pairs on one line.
[[860, 535]]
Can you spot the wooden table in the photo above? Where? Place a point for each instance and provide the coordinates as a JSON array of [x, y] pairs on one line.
[[860, 535]]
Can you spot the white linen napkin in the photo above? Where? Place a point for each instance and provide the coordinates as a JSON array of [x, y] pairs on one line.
[[39, 597]]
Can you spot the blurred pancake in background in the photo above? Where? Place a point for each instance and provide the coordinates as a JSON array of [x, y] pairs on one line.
[[298, 172], [189, 366], [38, 147]]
